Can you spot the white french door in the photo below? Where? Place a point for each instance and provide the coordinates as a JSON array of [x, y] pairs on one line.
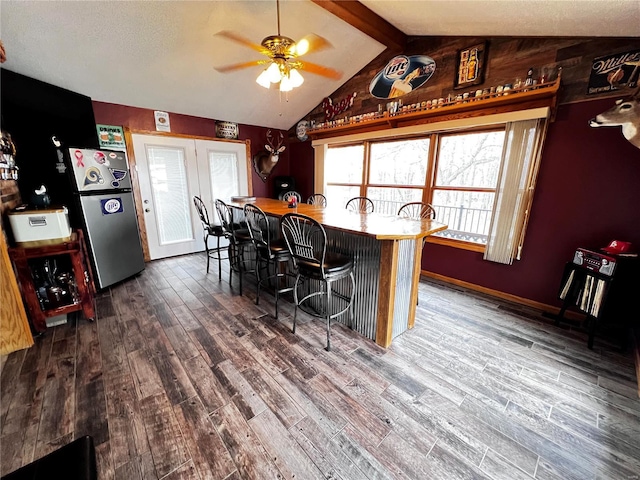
[[171, 171]]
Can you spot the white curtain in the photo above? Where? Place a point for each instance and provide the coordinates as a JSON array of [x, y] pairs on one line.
[[520, 158]]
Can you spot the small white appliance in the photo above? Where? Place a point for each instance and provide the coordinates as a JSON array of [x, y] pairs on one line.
[[35, 228]]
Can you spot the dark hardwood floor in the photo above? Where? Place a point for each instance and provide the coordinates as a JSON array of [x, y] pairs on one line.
[[180, 377]]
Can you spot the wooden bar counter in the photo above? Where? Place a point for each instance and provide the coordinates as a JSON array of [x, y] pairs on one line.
[[387, 250]]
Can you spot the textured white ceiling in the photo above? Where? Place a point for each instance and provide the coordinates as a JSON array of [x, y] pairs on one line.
[[161, 54], [543, 18]]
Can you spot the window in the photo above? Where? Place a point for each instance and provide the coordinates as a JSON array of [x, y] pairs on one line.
[[462, 189], [344, 173], [479, 178]]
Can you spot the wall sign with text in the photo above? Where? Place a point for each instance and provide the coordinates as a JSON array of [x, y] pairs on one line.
[[111, 137], [470, 64], [614, 72], [227, 130], [402, 75]]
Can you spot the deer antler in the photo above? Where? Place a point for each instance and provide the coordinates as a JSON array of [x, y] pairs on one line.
[[270, 140]]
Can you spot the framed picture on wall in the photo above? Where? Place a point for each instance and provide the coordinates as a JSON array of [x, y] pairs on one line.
[[470, 65]]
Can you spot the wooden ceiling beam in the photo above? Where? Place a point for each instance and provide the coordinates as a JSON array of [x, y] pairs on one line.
[[368, 22]]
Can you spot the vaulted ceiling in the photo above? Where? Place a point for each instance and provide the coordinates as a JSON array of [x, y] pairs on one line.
[[161, 55]]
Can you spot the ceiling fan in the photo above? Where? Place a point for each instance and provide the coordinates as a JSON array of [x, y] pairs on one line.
[[283, 60]]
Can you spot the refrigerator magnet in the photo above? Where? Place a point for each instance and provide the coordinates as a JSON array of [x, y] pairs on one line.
[[162, 121], [92, 176], [110, 206]]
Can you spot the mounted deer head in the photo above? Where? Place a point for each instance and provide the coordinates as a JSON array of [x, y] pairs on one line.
[[626, 114], [265, 160]]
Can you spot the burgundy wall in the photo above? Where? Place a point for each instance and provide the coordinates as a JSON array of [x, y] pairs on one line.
[[301, 166], [588, 193], [142, 119]]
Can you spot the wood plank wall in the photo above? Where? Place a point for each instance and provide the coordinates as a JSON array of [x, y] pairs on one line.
[[506, 59]]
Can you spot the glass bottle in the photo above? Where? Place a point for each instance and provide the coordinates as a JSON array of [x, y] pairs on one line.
[[544, 76]]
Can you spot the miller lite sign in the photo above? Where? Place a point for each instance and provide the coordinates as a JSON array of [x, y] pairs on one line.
[[401, 75], [111, 206]]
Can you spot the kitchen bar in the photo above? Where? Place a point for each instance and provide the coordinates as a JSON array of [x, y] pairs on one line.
[[387, 251]]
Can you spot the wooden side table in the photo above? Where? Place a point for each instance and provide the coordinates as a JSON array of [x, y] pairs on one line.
[[82, 274]]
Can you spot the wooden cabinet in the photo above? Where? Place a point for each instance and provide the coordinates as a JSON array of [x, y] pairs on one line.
[[80, 291], [15, 333]]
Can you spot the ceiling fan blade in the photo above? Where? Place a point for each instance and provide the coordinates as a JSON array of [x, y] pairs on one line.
[[315, 43], [321, 70], [234, 37], [239, 66]]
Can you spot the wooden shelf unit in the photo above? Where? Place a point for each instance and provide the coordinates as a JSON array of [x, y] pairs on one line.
[[82, 274], [523, 98]]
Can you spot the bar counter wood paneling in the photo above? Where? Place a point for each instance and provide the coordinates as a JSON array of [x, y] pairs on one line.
[[387, 251]]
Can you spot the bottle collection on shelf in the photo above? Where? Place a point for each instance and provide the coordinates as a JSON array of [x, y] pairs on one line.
[[8, 167], [396, 107]]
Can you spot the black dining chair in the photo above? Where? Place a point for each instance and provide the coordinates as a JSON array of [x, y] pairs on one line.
[[239, 241], [292, 193], [360, 205], [317, 199], [417, 210], [306, 240], [270, 253], [210, 230]]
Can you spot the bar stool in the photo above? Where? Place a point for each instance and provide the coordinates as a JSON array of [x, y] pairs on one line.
[[239, 240], [306, 240], [417, 210], [269, 252], [360, 205], [210, 230]]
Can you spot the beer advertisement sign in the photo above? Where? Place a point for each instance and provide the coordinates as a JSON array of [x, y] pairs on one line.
[[614, 72], [402, 75], [470, 63], [111, 137]]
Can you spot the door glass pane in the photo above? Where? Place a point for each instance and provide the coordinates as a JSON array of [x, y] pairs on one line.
[[389, 200], [224, 176], [470, 160], [344, 164], [400, 162], [467, 214], [170, 194]]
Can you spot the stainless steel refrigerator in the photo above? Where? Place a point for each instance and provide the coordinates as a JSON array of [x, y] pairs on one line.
[[105, 201]]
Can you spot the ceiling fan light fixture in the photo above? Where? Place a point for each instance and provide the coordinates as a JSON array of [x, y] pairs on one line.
[[263, 79], [296, 78], [286, 85], [273, 72]]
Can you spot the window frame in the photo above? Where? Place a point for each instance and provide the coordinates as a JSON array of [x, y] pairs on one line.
[[462, 125], [428, 187]]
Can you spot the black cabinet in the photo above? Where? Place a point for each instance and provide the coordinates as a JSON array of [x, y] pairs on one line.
[[606, 299]]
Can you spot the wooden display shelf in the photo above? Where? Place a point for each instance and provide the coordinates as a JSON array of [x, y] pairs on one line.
[[523, 98], [82, 274]]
